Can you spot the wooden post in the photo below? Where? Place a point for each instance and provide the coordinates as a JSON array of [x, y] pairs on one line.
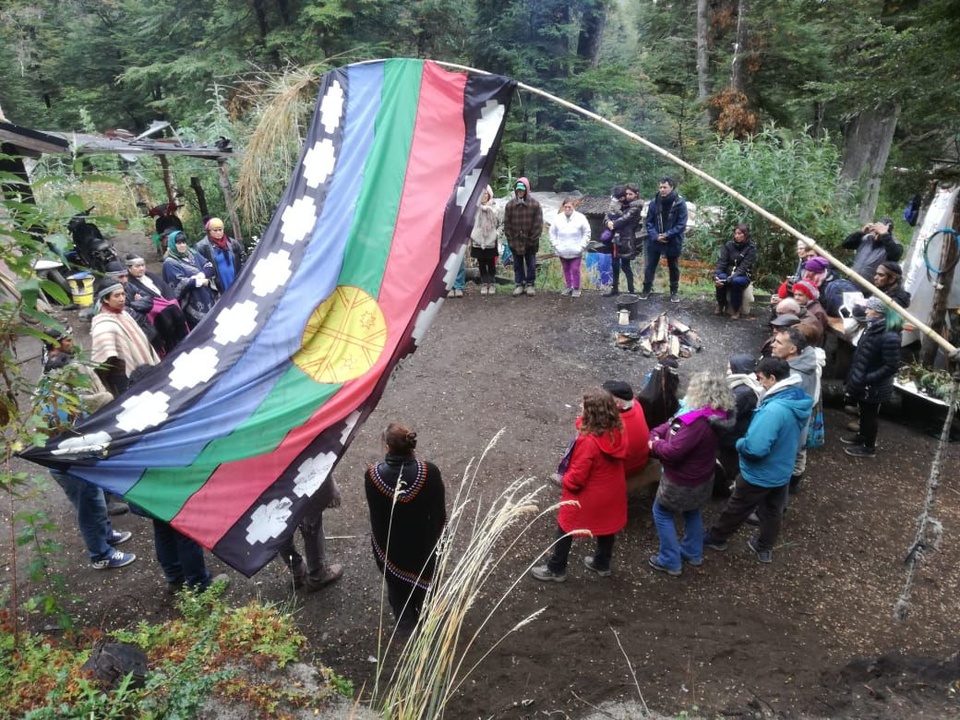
[[167, 181], [201, 196], [941, 292], [228, 199]]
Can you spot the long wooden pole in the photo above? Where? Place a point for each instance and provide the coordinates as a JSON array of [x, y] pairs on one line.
[[952, 351]]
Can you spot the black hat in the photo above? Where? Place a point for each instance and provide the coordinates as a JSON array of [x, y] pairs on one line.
[[785, 320], [619, 389]]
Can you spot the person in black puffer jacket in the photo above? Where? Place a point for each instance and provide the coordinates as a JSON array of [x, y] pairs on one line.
[[872, 370], [624, 229]]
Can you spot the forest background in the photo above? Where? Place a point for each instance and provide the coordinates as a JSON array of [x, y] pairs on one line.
[[827, 112]]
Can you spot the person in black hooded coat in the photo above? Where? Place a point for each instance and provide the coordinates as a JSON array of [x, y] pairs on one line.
[[872, 371]]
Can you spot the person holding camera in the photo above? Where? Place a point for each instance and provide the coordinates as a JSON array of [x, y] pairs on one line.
[[873, 244], [732, 274]]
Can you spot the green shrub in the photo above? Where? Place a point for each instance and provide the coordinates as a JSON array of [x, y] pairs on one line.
[[791, 175]]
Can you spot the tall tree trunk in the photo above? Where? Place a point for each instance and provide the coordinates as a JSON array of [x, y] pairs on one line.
[[703, 59], [737, 80], [867, 140], [591, 33]]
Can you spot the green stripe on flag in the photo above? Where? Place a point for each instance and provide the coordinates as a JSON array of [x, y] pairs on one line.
[[378, 201], [289, 404]]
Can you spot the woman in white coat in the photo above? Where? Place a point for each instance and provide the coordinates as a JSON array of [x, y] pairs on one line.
[[569, 235]]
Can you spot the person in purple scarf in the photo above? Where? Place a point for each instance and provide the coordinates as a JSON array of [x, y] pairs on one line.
[[687, 447]]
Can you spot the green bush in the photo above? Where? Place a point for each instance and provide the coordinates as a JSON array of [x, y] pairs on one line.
[[791, 175]]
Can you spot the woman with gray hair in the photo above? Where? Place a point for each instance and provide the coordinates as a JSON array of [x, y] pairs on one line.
[[687, 446]]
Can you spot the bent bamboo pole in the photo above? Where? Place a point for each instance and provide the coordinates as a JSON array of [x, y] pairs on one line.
[[952, 351]]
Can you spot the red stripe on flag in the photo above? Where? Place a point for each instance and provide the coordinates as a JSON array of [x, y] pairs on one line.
[[435, 161]]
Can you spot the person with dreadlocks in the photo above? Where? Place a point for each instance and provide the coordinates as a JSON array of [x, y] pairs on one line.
[[659, 397], [189, 275]]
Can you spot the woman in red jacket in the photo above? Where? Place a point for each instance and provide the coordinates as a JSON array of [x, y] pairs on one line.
[[594, 498]]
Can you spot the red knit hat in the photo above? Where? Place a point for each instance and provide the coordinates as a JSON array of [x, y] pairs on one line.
[[807, 288]]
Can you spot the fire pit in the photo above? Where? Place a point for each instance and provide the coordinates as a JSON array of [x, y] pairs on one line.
[[659, 338]]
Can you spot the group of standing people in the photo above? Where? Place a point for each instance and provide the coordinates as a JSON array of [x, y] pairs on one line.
[[570, 235]]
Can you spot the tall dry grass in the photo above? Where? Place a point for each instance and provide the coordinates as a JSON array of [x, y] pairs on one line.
[[438, 657]]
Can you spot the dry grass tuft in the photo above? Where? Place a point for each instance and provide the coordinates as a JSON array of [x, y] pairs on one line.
[[432, 666]]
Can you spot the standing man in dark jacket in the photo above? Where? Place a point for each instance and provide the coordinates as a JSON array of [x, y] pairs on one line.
[[224, 253], [666, 225], [873, 245], [522, 224], [872, 370], [624, 229]]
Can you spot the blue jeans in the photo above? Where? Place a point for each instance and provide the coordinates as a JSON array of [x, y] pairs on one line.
[[525, 269], [735, 285], [674, 551], [461, 280], [180, 557], [92, 518]]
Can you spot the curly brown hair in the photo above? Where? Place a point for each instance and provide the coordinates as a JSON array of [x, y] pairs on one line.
[[600, 413]]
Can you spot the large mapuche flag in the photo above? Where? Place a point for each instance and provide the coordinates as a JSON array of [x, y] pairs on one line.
[[230, 436]]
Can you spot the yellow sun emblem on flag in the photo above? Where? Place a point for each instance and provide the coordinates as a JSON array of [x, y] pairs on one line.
[[344, 337]]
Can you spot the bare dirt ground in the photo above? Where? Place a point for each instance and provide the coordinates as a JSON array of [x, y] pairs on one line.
[[812, 635]]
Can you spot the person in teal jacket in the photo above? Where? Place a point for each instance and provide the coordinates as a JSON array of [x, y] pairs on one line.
[[767, 453]]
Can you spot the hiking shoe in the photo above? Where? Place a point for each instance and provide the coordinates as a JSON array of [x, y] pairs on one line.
[[753, 519], [545, 574], [530, 291], [518, 291], [655, 564], [576, 292], [851, 440], [852, 410], [588, 561], [330, 574], [117, 537], [644, 294], [860, 451], [451, 293], [718, 545], [720, 310], [693, 562], [116, 507], [764, 556], [674, 298], [118, 559], [567, 291], [610, 293], [853, 426], [458, 292], [735, 315]]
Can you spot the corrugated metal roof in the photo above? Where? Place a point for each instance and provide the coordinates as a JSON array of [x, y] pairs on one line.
[[34, 142]]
